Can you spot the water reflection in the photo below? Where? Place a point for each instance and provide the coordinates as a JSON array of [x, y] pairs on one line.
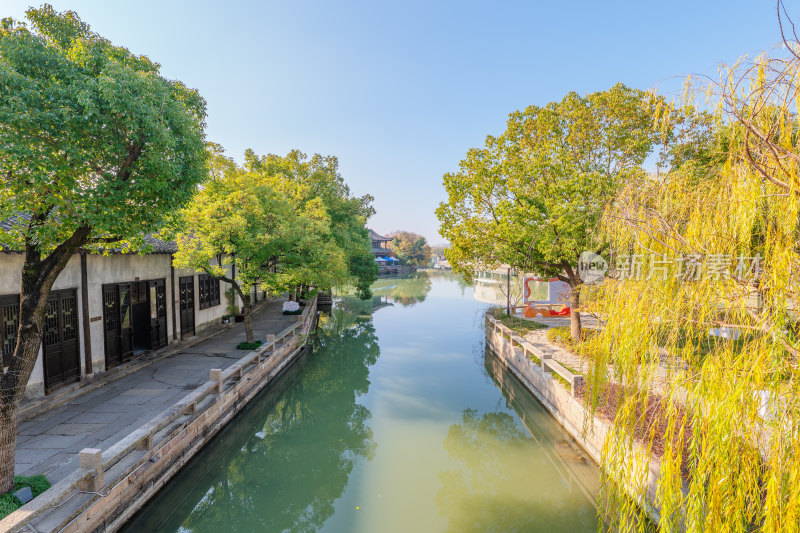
[[405, 290], [492, 287], [293, 453], [509, 479]]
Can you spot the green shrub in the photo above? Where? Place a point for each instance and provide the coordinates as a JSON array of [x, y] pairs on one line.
[[249, 345], [9, 504]]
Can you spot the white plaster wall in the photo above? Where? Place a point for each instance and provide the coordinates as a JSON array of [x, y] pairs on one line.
[[115, 268], [10, 272], [70, 278], [203, 318], [119, 268]]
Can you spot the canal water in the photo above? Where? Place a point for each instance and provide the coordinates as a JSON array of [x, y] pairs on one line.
[[396, 421]]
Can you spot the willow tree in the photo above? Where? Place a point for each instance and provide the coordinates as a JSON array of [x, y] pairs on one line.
[[277, 233], [532, 197], [95, 147], [702, 311]]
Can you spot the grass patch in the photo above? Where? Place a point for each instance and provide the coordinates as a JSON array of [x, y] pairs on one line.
[[520, 325], [9, 504], [563, 336], [249, 345]]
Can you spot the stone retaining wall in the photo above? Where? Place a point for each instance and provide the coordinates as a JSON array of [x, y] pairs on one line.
[[112, 485], [561, 401]]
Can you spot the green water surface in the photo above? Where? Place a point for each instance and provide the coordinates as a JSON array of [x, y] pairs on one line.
[[396, 421]]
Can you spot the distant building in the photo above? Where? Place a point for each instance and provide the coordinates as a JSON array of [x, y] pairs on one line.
[[383, 253], [380, 245], [442, 264]]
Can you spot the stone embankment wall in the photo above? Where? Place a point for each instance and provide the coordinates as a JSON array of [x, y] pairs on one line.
[[556, 388], [112, 485]]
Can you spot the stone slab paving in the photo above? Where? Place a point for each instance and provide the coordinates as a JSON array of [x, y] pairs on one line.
[[49, 443]]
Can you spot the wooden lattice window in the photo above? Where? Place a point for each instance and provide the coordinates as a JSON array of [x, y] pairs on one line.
[[9, 324], [209, 291]]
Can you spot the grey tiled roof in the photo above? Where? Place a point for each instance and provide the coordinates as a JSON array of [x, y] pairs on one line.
[[158, 246], [375, 237], [11, 221]]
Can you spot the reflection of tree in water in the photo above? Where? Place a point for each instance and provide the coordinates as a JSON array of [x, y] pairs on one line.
[[504, 484], [293, 460], [405, 290]]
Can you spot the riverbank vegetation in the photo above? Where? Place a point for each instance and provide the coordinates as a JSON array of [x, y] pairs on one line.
[[96, 148], [723, 216], [520, 325], [696, 360]]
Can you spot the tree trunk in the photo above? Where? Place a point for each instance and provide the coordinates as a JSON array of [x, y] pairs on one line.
[[574, 314], [38, 276], [16, 379], [248, 318]]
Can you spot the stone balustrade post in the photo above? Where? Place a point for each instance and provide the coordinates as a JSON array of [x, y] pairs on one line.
[[216, 376], [577, 382], [92, 459]]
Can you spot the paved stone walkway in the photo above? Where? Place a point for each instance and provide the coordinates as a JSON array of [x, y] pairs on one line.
[[49, 443]]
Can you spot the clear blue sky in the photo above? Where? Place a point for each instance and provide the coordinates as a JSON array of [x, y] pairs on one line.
[[399, 91]]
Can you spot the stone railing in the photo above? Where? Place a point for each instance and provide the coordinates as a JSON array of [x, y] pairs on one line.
[[541, 357], [111, 485]]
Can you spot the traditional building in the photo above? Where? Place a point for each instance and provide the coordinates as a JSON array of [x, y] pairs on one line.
[[383, 253], [107, 309], [380, 245]]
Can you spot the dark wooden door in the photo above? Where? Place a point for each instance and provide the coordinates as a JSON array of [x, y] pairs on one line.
[[158, 312], [186, 290], [117, 326], [60, 339], [125, 321], [9, 324], [111, 325]]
